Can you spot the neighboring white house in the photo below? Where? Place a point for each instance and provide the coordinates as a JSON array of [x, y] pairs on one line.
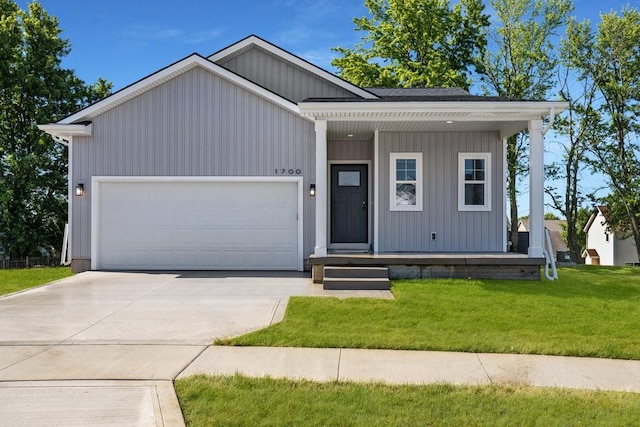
[[606, 247], [254, 159]]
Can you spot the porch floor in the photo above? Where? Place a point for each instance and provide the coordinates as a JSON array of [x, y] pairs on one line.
[[410, 265]]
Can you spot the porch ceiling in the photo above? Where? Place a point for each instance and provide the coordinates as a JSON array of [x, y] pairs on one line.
[[364, 130]]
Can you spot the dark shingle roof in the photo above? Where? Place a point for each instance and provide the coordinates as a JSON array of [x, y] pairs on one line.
[[437, 94], [421, 98], [592, 253], [405, 92]]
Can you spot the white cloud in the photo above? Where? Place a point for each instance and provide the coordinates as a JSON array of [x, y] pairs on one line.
[[201, 37], [143, 33]]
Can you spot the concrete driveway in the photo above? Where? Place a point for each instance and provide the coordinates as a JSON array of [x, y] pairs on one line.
[[73, 351]]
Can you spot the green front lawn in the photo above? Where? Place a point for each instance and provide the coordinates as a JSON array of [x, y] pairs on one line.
[[590, 311], [20, 279], [208, 401]]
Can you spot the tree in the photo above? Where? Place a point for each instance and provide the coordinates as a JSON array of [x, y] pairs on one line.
[[611, 60], [582, 218], [415, 43], [520, 63], [579, 127], [34, 89]]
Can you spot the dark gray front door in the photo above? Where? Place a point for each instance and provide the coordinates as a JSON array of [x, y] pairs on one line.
[[349, 204]]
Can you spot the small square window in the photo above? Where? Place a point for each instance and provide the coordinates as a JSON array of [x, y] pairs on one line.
[[349, 179]]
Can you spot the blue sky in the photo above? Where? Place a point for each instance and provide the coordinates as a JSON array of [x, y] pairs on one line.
[[124, 41]]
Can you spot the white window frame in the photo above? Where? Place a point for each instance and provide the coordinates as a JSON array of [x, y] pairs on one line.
[[487, 182], [392, 181]]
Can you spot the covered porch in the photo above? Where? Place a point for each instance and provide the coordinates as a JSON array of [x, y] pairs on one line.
[[427, 254]]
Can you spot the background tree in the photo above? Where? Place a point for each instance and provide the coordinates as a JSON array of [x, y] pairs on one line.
[[521, 63], [579, 128], [34, 89], [611, 59], [582, 217], [415, 43]]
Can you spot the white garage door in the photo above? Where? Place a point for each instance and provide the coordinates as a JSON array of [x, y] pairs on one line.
[[187, 225]]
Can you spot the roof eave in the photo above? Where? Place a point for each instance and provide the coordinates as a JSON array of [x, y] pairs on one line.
[[491, 109], [66, 131]]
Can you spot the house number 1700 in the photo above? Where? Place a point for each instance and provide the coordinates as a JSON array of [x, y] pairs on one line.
[[288, 171]]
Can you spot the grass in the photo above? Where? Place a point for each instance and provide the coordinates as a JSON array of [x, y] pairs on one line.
[[207, 401], [21, 279], [590, 311]]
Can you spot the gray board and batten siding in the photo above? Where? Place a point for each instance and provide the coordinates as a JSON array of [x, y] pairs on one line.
[[455, 231], [196, 124], [280, 76]]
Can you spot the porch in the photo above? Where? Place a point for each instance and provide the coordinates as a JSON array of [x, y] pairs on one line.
[[492, 265]]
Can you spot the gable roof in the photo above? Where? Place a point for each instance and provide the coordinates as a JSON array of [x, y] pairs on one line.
[[69, 126], [253, 40], [592, 253], [604, 210]]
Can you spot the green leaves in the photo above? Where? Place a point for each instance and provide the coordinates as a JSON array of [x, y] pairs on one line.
[[415, 43], [609, 61], [34, 89]]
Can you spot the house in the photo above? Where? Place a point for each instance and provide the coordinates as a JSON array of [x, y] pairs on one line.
[[606, 246], [555, 228], [253, 158]]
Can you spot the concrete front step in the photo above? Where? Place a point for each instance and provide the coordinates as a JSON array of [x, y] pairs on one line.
[[356, 272], [356, 278], [366, 284]]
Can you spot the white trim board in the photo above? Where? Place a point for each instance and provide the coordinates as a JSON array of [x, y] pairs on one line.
[[95, 197]]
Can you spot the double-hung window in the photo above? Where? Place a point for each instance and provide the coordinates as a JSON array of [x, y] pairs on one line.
[[474, 181], [406, 182]]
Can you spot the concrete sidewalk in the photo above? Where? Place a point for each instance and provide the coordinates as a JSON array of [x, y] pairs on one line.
[[419, 367]]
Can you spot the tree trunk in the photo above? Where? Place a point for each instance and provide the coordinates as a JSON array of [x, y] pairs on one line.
[[571, 201]]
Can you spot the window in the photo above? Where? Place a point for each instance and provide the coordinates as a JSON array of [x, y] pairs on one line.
[[406, 182], [474, 181]]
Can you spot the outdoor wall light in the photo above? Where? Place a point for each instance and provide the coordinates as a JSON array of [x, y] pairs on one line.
[[312, 190], [80, 189]]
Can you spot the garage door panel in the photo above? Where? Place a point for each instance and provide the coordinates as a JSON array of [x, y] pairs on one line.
[[197, 225]]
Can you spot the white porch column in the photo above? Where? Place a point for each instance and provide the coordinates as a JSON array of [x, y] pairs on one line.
[[321, 188], [536, 189]]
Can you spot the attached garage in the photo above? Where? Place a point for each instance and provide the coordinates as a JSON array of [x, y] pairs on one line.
[[196, 223]]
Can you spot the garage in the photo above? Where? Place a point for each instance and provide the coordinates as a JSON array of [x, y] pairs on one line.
[[232, 223]]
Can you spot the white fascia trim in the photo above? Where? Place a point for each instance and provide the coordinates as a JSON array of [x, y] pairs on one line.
[[253, 40], [481, 110], [66, 131], [168, 73], [592, 218], [95, 197]]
